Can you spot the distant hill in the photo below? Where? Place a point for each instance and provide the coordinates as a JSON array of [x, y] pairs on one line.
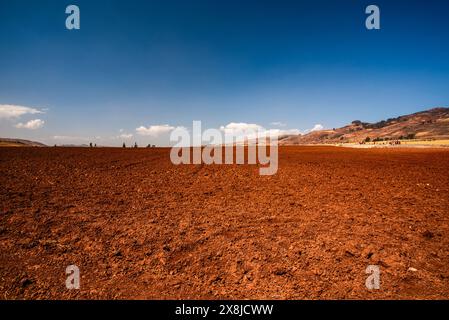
[[74, 145], [11, 142], [429, 124]]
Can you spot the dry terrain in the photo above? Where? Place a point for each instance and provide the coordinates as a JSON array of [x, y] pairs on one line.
[[140, 227], [426, 126], [8, 142]]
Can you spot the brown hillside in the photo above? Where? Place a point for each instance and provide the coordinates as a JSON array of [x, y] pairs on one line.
[[430, 124], [8, 142]]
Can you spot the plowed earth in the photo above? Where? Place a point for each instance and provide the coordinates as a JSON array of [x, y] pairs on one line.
[[139, 227]]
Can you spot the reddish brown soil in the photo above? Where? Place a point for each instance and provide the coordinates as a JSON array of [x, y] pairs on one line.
[[139, 227]]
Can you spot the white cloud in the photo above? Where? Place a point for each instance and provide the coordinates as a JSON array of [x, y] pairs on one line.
[[242, 131], [278, 124], [280, 132], [123, 135], [8, 111], [317, 127], [70, 138], [154, 130], [32, 124], [126, 135], [241, 128], [252, 130]]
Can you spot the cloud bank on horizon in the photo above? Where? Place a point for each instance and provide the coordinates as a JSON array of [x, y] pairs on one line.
[[234, 128]]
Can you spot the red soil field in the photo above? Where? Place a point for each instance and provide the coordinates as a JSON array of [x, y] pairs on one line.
[[139, 227]]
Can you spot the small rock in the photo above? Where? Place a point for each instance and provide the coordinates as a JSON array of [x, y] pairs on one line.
[[25, 282], [427, 234], [412, 269], [349, 253], [280, 272]]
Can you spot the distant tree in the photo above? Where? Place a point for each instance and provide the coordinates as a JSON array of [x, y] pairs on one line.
[[410, 136], [90, 144], [95, 145], [367, 139], [135, 144], [124, 145]]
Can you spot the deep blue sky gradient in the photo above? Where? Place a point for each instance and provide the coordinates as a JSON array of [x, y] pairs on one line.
[[139, 63]]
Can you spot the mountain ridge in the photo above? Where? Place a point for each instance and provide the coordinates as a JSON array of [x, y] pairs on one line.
[[13, 142], [430, 124]]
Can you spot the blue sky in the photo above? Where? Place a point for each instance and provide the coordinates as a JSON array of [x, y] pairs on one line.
[[151, 63]]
